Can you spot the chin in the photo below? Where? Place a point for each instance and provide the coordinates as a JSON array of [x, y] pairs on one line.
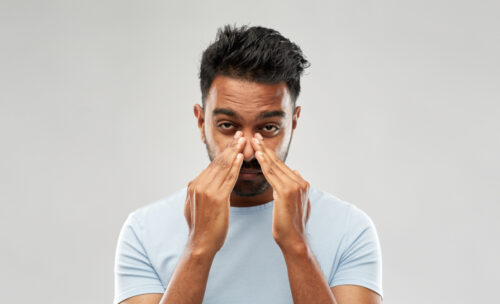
[[250, 188]]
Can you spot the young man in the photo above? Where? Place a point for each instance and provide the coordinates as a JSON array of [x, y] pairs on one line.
[[248, 229]]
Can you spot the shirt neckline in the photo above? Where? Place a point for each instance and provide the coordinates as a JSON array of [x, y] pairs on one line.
[[251, 208]]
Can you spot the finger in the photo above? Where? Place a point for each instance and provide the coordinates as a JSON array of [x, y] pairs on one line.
[[308, 210], [299, 176], [308, 206], [188, 204], [259, 145], [232, 143], [223, 162], [302, 181], [273, 174], [226, 163], [236, 144], [231, 177]]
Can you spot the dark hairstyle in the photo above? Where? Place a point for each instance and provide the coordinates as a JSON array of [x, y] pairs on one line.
[[253, 53]]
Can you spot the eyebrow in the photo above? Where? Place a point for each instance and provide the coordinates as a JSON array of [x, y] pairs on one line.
[[261, 115]]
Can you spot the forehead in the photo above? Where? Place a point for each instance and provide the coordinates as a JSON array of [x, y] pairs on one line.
[[247, 98]]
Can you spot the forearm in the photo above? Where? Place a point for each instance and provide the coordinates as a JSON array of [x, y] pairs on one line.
[[188, 283], [307, 281]]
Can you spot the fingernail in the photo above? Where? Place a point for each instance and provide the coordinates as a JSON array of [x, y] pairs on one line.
[[237, 134], [259, 136], [255, 140], [241, 140]]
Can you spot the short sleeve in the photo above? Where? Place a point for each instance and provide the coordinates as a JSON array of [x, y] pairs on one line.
[[361, 259], [134, 274]]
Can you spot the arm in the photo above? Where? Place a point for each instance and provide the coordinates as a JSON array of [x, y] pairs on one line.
[[207, 215], [309, 285], [290, 215], [307, 282], [353, 294], [189, 280]]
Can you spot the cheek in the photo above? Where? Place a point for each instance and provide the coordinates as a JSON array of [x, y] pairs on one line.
[[210, 139], [280, 150], [281, 146], [216, 141]]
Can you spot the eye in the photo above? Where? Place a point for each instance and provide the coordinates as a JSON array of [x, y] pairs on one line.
[[270, 128], [225, 126]]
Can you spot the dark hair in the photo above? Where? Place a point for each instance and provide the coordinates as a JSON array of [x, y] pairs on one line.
[[254, 53]]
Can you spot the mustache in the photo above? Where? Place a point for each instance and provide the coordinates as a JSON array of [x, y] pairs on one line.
[[253, 164]]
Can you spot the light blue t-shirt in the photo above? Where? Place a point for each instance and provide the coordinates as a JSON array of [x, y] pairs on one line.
[[250, 267]]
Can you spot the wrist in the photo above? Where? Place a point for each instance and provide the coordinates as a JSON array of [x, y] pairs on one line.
[[295, 248], [198, 250]]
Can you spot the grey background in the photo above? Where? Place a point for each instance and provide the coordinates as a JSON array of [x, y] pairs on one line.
[[400, 117]]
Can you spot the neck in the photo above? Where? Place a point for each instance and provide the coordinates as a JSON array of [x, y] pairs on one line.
[[249, 201]]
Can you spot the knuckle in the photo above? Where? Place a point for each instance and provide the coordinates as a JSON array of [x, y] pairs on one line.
[[230, 176], [273, 165], [199, 193], [191, 188], [224, 164], [289, 191], [270, 170], [292, 189], [209, 194]]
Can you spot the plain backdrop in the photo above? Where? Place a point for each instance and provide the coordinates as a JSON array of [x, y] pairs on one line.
[[400, 116]]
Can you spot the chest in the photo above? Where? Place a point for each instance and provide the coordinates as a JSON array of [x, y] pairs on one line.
[[249, 268]]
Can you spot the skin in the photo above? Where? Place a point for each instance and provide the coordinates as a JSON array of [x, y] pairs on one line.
[[246, 101], [239, 138]]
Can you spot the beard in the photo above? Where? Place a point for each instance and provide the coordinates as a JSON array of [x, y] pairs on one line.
[[253, 187]]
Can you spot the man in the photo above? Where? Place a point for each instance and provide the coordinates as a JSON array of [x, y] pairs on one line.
[[248, 229]]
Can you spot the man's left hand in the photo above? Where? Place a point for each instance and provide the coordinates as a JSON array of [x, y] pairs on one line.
[[291, 197]]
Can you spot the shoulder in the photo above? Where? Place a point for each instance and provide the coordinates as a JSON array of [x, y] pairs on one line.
[[326, 207], [166, 211]]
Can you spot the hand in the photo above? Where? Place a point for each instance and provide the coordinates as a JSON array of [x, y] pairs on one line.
[[207, 200], [291, 197]]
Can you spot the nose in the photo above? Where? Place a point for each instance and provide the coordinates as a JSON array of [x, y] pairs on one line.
[[248, 152]]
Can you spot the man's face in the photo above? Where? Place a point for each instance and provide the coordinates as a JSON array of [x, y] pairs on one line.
[[235, 104]]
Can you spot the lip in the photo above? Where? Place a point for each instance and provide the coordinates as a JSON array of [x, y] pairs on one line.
[[249, 174], [247, 171]]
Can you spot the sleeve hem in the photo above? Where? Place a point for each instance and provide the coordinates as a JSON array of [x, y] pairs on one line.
[[362, 283], [137, 291]]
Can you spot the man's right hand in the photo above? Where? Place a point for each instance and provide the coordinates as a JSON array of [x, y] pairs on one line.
[[207, 200]]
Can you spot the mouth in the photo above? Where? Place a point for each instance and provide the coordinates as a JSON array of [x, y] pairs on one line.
[[249, 173]]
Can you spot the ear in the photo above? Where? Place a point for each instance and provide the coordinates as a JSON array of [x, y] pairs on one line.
[[200, 117], [295, 117]]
